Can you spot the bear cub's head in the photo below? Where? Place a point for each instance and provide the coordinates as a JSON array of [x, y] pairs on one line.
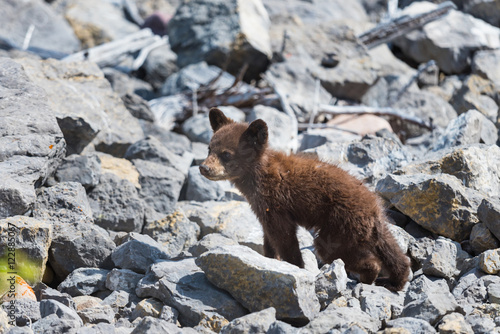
[[235, 148]]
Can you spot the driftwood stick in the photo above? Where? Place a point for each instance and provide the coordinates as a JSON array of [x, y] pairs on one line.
[[306, 126], [143, 55], [388, 31], [360, 110], [110, 54]]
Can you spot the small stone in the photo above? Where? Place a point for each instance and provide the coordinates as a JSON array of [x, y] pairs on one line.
[[257, 322], [412, 325], [97, 314], [442, 262], [84, 281], [83, 302], [122, 279], [454, 323], [331, 282], [494, 293], [209, 242], [147, 307], [489, 261], [169, 314], [118, 300], [85, 169]]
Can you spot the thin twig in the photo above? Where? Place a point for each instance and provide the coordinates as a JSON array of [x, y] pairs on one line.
[[27, 37], [316, 101]]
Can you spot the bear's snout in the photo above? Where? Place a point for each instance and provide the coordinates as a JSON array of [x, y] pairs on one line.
[[204, 170]]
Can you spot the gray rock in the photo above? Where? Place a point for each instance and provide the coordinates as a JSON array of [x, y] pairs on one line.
[[29, 239], [79, 245], [65, 202], [197, 128], [453, 323], [494, 293], [160, 185], [53, 35], [433, 202], [53, 324], [257, 322], [209, 242], [480, 324], [84, 282], [481, 239], [154, 325], [280, 327], [85, 169], [175, 232], [413, 325], [489, 261], [124, 84], [152, 149], [452, 50], [122, 279], [49, 307], [322, 137], [116, 204], [485, 64], [70, 86], [167, 110], [96, 22], [428, 300], [341, 319], [378, 302], [26, 311], [213, 31], [489, 213], [182, 285], [331, 282], [200, 151], [175, 142], [279, 126], [119, 300], [169, 314], [471, 290], [64, 298], [149, 307], [201, 189], [138, 107], [97, 314], [160, 64], [469, 128], [442, 261], [31, 141], [138, 252], [292, 295], [102, 328]]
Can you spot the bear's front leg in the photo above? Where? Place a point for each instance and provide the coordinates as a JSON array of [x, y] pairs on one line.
[[268, 248], [282, 240]]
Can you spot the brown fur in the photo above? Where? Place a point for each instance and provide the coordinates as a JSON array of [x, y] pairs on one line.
[[285, 191]]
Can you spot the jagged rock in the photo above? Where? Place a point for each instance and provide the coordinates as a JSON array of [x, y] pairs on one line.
[[64, 298], [450, 41], [152, 149], [65, 202], [122, 168], [138, 252], [209, 242], [341, 318], [70, 86], [480, 324], [118, 300], [378, 302], [439, 203], [476, 93], [494, 293], [160, 185], [25, 311], [79, 245], [489, 261], [175, 142], [30, 239], [279, 126], [31, 142], [175, 232], [239, 270], [428, 300], [280, 327], [96, 22], [160, 64], [53, 34], [470, 127], [116, 204], [201, 189], [489, 213], [154, 325], [471, 289], [138, 107], [213, 31], [485, 64], [51, 307], [124, 84], [454, 323], [122, 279], [197, 128], [413, 325], [169, 314], [482, 239], [442, 261], [257, 322], [53, 324], [167, 110], [84, 281], [85, 169], [149, 307], [182, 285], [321, 138], [331, 282], [97, 314]]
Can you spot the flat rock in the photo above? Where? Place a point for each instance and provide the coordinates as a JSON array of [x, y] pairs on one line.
[[213, 31], [182, 285], [31, 142], [239, 270], [84, 169], [116, 204], [86, 108], [84, 281], [30, 239]]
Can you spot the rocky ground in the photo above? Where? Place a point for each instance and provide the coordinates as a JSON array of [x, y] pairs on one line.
[[104, 213]]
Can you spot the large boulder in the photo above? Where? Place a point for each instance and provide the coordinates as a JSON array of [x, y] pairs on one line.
[[214, 31], [31, 142]]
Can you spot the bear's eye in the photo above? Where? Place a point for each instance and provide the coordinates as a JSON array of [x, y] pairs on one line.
[[225, 156]]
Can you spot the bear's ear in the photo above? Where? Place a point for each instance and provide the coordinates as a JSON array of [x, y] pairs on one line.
[[256, 133], [218, 119]]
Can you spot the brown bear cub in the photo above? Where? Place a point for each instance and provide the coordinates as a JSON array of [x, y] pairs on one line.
[[285, 191]]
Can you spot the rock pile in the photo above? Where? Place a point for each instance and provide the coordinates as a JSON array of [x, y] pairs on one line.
[[106, 224]]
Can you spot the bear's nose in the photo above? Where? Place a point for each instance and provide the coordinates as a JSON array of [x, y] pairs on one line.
[[204, 169]]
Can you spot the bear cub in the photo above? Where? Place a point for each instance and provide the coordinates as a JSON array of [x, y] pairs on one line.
[[285, 191]]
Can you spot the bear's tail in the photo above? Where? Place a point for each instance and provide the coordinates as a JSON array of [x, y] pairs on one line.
[[393, 259]]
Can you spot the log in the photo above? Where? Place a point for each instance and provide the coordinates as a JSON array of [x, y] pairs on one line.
[[386, 32]]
